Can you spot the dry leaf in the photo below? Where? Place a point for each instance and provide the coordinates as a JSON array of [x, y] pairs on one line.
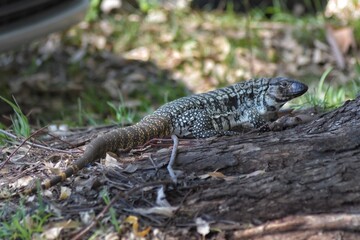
[[54, 229], [135, 225], [108, 5], [161, 198], [87, 217], [110, 161], [222, 46], [344, 10], [317, 56], [202, 226], [4, 192], [112, 236], [48, 193], [335, 49], [140, 53], [64, 193], [98, 41], [59, 130], [156, 16], [219, 175], [5, 170], [163, 211], [52, 233], [106, 27], [345, 38], [21, 182]]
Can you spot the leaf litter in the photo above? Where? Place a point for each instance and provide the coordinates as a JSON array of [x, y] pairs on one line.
[[196, 50]]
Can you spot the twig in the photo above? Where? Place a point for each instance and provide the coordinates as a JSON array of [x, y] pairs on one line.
[[8, 134], [20, 145], [27, 141], [321, 222], [26, 171], [120, 194], [57, 137]]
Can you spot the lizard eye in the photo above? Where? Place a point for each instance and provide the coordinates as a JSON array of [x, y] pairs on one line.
[[284, 84]]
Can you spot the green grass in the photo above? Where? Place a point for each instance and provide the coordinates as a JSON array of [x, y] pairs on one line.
[[3, 137], [148, 5], [20, 122], [325, 97], [126, 34], [23, 225], [113, 218], [92, 107], [123, 114], [356, 26], [93, 13]]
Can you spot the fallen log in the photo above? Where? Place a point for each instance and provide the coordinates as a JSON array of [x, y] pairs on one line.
[[311, 169]]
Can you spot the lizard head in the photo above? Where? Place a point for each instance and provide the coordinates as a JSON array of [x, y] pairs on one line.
[[281, 89]]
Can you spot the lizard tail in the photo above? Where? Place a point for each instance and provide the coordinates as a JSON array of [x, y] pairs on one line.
[[151, 126]]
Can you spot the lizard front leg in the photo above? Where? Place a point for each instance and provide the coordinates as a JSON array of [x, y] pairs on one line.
[[256, 120]]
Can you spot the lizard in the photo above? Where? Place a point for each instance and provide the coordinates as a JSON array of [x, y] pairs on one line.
[[216, 113]]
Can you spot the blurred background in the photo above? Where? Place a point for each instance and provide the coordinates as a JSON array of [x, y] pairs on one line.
[[94, 62]]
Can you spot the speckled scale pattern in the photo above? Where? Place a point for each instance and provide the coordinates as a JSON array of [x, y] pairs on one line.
[[123, 138], [214, 113]]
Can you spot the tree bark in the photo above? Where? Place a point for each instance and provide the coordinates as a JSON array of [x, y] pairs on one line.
[[311, 169], [299, 183]]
